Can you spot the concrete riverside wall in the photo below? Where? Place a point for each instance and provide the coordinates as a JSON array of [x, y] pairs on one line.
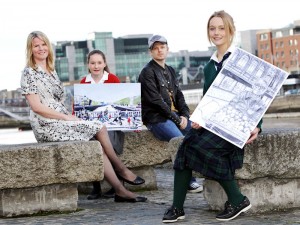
[[287, 103], [270, 176], [44, 176]]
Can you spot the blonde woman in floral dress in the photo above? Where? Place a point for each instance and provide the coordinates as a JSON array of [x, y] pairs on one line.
[[51, 121]]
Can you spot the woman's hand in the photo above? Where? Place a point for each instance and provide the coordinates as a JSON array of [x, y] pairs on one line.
[[183, 123], [253, 135], [195, 125]]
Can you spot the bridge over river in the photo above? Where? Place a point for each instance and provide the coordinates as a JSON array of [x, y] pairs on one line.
[[15, 113]]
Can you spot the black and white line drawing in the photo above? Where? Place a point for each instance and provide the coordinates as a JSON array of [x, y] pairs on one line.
[[239, 97]]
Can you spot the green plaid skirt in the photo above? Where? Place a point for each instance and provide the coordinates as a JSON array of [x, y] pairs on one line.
[[209, 154]]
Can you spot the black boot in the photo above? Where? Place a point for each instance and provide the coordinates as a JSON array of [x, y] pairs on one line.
[[96, 192]]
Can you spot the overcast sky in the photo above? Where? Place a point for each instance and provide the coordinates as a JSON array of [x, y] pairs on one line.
[[183, 23]]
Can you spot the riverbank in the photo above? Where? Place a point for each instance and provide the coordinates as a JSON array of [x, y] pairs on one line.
[[282, 115]]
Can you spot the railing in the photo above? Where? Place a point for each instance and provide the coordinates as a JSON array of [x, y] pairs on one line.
[[14, 114]]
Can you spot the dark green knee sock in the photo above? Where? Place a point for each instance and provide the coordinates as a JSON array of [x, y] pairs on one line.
[[182, 179], [232, 190]]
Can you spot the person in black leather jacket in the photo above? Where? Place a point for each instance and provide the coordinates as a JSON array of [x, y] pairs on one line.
[[164, 110], [156, 101]]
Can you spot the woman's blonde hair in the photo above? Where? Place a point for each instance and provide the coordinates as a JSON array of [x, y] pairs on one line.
[[228, 23], [30, 62]]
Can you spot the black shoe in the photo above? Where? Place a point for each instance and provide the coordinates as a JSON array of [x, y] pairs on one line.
[[136, 199], [137, 181], [230, 211], [110, 193], [93, 196], [173, 214]]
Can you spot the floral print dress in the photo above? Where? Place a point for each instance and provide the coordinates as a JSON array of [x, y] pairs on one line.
[[51, 92]]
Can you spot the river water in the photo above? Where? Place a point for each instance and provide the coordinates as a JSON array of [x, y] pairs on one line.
[[14, 136]]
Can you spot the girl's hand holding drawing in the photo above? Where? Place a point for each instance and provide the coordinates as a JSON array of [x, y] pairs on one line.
[[195, 125]]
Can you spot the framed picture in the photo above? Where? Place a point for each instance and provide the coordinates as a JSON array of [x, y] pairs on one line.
[[239, 97], [118, 106]]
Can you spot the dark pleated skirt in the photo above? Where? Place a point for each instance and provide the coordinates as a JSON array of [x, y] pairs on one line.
[[209, 154]]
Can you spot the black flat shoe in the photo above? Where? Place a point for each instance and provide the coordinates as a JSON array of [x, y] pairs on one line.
[[137, 181], [93, 196], [136, 199]]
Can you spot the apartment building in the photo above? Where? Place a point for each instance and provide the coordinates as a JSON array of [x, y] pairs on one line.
[[281, 47]]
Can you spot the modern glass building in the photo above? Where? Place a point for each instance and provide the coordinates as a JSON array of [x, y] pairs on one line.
[[131, 54], [70, 60], [126, 56]]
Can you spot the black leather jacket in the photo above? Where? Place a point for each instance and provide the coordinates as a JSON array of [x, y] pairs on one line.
[[156, 102]]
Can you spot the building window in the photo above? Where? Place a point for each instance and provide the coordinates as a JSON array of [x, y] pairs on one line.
[[266, 46], [276, 44], [291, 42], [278, 34], [267, 55], [291, 32], [291, 52], [281, 44], [278, 64], [277, 55], [282, 64], [295, 42], [282, 54], [291, 62], [262, 56], [263, 37], [262, 47]]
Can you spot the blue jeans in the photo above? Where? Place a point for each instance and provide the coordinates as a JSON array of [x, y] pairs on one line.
[[167, 130]]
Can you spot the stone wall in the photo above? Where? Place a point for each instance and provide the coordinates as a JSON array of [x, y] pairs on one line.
[[287, 103], [36, 177], [270, 176], [43, 177]]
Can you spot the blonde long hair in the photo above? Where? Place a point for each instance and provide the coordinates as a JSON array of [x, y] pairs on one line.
[[228, 23], [30, 62]]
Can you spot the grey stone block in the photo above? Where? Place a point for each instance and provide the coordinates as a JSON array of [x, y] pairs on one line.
[[265, 194], [27, 201], [143, 149], [270, 175], [33, 165], [275, 154]]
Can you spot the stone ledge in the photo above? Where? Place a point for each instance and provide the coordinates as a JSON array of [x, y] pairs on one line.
[[143, 149], [272, 155], [32, 165], [270, 176], [43, 177], [265, 194], [48, 198]]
